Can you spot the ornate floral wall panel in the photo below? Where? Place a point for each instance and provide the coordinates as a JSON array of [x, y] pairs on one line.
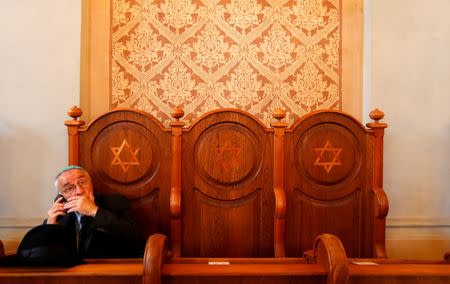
[[206, 54], [153, 55]]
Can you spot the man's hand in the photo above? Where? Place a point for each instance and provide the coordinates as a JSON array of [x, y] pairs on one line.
[[56, 210], [82, 205]]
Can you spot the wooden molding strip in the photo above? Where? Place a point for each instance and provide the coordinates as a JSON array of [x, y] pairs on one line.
[[24, 222], [14, 223], [418, 222]]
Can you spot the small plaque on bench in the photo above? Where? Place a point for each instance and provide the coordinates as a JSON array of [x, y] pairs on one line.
[[218, 263]]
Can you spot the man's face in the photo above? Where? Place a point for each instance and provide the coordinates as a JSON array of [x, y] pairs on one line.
[[75, 182]]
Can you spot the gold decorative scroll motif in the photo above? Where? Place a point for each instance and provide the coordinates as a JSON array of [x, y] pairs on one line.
[[202, 55]]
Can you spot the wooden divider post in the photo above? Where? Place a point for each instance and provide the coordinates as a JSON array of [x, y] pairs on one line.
[[382, 204], [278, 183], [175, 190], [72, 129]]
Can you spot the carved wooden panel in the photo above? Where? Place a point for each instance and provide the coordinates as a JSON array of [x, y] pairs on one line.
[[221, 223], [126, 152], [215, 189], [328, 183], [314, 215], [227, 200]]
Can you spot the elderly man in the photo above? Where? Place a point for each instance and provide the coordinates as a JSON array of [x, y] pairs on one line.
[[103, 224]]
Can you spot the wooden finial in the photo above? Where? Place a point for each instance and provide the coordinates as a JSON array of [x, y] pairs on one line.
[[279, 114], [75, 112], [177, 113], [376, 114]]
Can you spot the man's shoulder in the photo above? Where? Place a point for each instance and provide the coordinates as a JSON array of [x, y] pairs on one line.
[[112, 201]]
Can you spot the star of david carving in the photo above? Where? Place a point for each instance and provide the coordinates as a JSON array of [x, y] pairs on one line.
[[124, 164], [328, 165], [228, 155]]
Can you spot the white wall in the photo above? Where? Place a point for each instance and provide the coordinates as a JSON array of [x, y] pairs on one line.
[[39, 81], [409, 79]]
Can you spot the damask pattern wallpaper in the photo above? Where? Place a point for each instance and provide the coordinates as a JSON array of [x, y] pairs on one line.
[[207, 54]]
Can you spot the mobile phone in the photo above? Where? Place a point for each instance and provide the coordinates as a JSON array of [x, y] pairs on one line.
[[63, 200]]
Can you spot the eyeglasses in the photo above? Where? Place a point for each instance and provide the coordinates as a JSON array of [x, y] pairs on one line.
[[82, 183]]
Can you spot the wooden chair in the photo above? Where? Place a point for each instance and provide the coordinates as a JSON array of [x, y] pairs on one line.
[[127, 152], [227, 176], [333, 168], [227, 199]]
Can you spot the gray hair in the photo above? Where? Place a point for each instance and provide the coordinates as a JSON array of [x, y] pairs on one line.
[[65, 169]]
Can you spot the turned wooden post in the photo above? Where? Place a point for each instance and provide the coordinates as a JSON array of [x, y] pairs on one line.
[[72, 129], [278, 183], [155, 255], [175, 191], [382, 205]]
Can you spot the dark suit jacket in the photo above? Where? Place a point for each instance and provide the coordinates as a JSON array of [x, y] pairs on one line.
[[111, 233]]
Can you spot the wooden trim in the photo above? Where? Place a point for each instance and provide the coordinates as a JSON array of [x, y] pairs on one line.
[[85, 56], [391, 223], [352, 52], [382, 205], [175, 191], [155, 254], [278, 185], [329, 251], [418, 222], [95, 58], [9, 223]]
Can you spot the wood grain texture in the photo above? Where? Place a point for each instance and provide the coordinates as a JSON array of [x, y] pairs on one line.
[[330, 183], [329, 252], [239, 270], [228, 202], [227, 186], [127, 152]]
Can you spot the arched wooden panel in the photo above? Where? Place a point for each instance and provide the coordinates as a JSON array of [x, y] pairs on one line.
[[349, 223], [126, 152], [227, 154], [227, 196], [329, 165], [328, 156], [224, 228]]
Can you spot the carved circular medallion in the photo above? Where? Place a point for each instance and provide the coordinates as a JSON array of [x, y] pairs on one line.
[[125, 153], [226, 154], [328, 154]]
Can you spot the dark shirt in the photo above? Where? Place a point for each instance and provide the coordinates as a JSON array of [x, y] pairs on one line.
[[112, 233]]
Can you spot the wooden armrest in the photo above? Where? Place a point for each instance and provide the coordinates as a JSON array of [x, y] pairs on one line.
[[329, 251], [2, 249], [155, 255]]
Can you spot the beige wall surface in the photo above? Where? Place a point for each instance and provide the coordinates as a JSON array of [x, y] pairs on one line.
[[406, 75], [39, 81], [409, 80]]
